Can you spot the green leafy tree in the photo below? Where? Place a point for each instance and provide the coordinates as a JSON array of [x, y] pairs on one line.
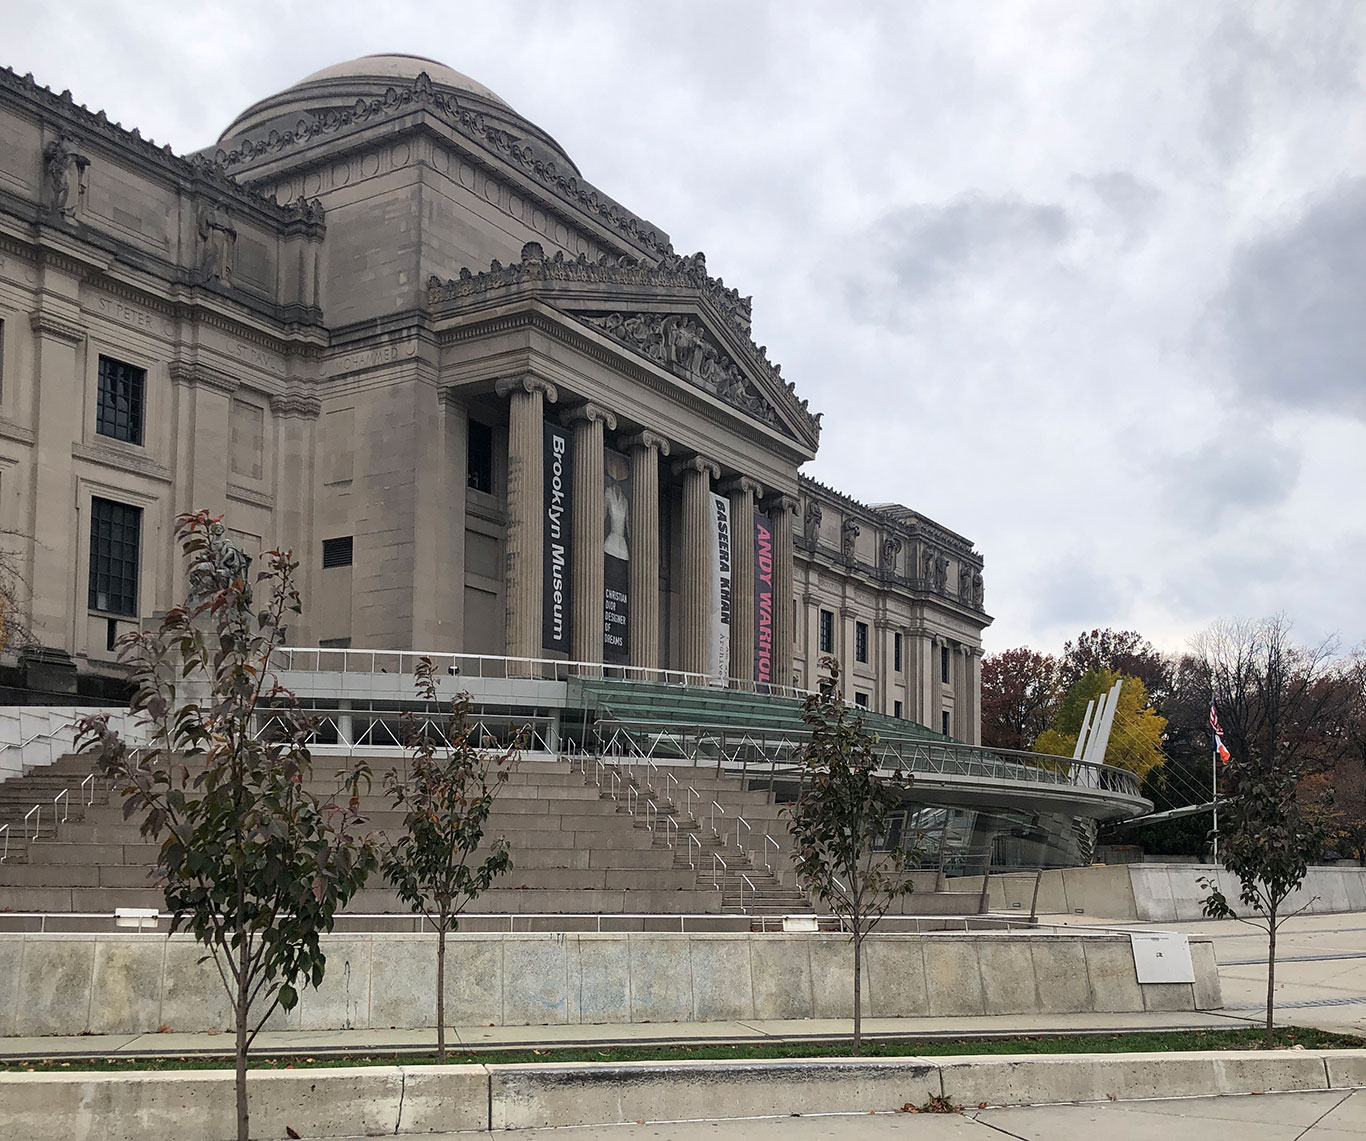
[[254, 864], [840, 818], [447, 795], [1135, 736], [1278, 707]]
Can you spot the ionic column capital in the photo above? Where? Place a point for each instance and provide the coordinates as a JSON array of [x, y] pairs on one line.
[[589, 413], [699, 464], [779, 503], [647, 439], [527, 382], [743, 484]]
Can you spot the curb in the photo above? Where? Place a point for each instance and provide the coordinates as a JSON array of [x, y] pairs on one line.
[[368, 1100]]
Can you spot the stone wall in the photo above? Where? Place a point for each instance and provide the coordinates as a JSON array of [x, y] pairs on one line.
[[130, 983]]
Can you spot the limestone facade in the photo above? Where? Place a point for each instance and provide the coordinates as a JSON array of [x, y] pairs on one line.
[[366, 371]]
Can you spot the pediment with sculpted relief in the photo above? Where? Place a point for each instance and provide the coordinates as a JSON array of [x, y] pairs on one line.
[[710, 347]]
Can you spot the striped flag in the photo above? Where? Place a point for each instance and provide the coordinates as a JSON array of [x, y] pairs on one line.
[[1219, 750]]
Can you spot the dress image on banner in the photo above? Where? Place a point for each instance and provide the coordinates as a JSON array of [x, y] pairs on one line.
[[719, 660], [616, 558]]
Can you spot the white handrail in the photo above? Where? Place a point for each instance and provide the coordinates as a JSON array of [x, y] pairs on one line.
[[715, 808], [776, 850], [739, 847], [37, 824], [693, 841], [754, 891], [670, 822], [715, 873], [693, 794], [90, 796], [66, 806], [4, 828]]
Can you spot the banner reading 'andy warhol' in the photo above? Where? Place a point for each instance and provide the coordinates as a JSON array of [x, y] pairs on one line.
[[763, 601]]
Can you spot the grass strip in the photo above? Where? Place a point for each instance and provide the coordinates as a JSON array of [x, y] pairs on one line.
[[1120, 1043]]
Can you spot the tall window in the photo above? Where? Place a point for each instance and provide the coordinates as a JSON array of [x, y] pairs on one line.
[[896, 709], [861, 641], [118, 409], [479, 457], [827, 632], [115, 529], [946, 722], [896, 652], [944, 666]]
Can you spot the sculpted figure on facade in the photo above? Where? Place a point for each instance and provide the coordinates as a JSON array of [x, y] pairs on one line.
[[941, 571], [927, 565], [811, 525], [891, 547], [978, 589], [964, 582], [849, 533], [65, 169], [217, 243]]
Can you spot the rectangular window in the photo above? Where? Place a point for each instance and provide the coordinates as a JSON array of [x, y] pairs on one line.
[[479, 458], [861, 700], [896, 652], [115, 531], [827, 632], [944, 665], [945, 716], [896, 709], [337, 552], [118, 408], [860, 641]]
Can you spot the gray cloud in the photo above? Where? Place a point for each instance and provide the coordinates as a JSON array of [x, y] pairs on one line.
[[1236, 473], [1293, 307]]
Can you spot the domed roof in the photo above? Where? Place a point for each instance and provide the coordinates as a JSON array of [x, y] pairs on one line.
[[367, 78]]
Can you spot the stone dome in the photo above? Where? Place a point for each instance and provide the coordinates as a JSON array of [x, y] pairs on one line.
[[367, 78]]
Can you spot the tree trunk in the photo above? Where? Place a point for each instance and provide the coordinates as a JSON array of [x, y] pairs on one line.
[[858, 989], [441, 991], [1271, 980], [241, 1012]]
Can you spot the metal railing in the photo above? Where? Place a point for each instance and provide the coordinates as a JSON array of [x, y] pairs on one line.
[[322, 659]]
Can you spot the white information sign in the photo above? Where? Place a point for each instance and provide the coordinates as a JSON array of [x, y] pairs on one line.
[[1163, 957]]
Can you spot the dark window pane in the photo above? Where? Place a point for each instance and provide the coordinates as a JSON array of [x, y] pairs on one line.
[[827, 632], [115, 531], [861, 641], [896, 652], [861, 700], [480, 457], [337, 552], [118, 408]]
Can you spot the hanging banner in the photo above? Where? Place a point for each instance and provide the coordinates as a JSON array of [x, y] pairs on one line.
[[763, 601], [719, 664], [616, 558], [557, 543]]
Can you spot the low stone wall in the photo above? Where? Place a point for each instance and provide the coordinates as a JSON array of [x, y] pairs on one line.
[[63, 984], [406, 1100], [1158, 893]]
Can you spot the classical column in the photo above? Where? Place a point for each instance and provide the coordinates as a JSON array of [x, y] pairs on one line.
[[526, 493], [296, 431], [741, 491], [782, 509], [587, 421], [646, 448], [844, 650], [439, 531], [882, 655], [695, 627]]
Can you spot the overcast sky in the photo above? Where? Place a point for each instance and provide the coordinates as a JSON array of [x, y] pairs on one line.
[[1085, 282]]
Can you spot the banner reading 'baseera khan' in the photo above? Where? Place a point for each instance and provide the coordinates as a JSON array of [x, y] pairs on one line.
[[558, 539], [718, 666], [617, 492], [763, 600]]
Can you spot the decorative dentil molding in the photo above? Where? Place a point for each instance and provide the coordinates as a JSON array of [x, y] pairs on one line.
[[526, 155]]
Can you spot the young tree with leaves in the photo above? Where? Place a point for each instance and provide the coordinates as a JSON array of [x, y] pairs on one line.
[[255, 866], [1277, 710], [447, 795], [841, 815]]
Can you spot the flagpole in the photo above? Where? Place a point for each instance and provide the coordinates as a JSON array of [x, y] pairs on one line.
[[1214, 797]]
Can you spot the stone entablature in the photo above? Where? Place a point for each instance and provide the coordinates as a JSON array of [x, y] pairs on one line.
[[694, 350], [902, 548]]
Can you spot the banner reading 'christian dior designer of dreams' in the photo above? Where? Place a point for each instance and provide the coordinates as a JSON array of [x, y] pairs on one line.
[[558, 542], [719, 662], [616, 558]]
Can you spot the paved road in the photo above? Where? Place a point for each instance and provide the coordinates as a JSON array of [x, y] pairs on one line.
[[1274, 1117]]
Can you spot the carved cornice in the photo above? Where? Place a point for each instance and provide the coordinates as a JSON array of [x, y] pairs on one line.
[[58, 328], [672, 340], [526, 155], [697, 463], [9, 430], [296, 405], [195, 168], [251, 495], [590, 413], [196, 374], [527, 382], [647, 439]]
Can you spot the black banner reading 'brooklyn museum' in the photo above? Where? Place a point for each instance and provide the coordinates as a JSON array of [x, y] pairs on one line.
[[555, 612]]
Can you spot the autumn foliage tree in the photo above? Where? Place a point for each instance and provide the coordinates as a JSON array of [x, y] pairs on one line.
[[1136, 733], [254, 864], [1021, 691]]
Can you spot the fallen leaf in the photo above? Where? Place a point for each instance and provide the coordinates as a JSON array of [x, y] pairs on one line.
[[164, 1028], [290, 1131]]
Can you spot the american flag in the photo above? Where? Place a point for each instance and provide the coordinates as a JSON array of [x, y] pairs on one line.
[[1219, 750]]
